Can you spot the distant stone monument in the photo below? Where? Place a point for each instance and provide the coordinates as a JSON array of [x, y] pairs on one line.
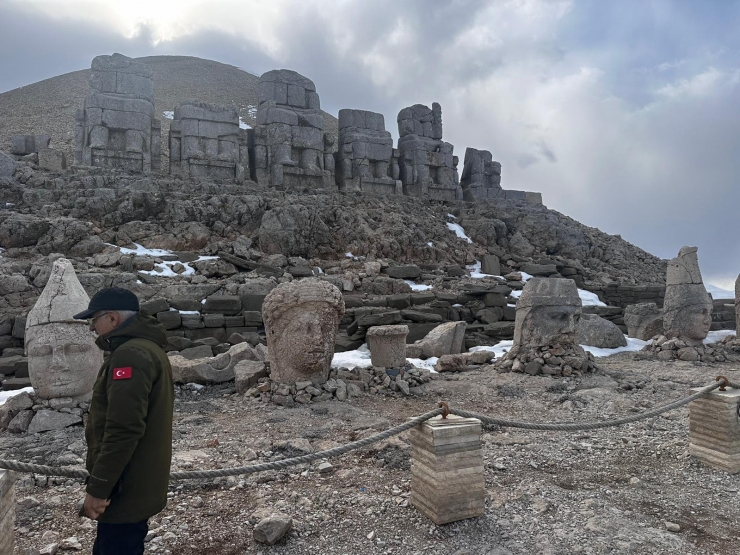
[[63, 360], [301, 324], [481, 176], [687, 309], [547, 316], [206, 142], [426, 162], [365, 155], [116, 127], [289, 146]]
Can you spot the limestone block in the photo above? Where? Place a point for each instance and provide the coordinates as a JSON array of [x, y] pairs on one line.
[[216, 369], [445, 339], [447, 480], [714, 430], [643, 320], [52, 160], [99, 136], [118, 103], [277, 114], [47, 420], [387, 345], [598, 332], [247, 373], [28, 144], [115, 119], [307, 137], [490, 264], [8, 165]]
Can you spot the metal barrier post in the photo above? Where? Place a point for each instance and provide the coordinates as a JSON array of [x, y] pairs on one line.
[[714, 429], [447, 481]]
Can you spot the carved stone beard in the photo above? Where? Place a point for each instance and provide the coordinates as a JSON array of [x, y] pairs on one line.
[[63, 360]]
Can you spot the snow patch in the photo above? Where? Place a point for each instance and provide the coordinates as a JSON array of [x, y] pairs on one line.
[[427, 364], [417, 286], [717, 336], [587, 297], [243, 124], [458, 230], [169, 114], [430, 244], [632, 345], [5, 395], [350, 255], [499, 349], [351, 359]]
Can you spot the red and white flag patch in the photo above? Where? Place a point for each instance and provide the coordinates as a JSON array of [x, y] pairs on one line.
[[122, 373]]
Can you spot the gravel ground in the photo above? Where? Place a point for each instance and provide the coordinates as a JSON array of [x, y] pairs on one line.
[[633, 489]]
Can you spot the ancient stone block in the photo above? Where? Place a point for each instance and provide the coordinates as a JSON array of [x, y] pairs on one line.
[[714, 430], [447, 480], [481, 176], [596, 331], [52, 160], [644, 320], [28, 144], [116, 127], [8, 165], [387, 345]]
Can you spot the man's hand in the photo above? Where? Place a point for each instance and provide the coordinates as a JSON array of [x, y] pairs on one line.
[[94, 507]]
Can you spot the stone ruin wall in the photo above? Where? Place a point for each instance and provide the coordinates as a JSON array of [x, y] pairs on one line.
[[288, 149]]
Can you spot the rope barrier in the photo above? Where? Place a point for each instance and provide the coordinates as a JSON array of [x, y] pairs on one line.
[[81, 473]]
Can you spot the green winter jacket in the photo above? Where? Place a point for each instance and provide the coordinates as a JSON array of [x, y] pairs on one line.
[[129, 429]]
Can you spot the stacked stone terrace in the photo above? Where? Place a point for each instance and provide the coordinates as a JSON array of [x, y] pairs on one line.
[[289, 148]]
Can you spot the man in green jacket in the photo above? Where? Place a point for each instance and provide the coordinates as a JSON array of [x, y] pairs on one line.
[[129, 429]]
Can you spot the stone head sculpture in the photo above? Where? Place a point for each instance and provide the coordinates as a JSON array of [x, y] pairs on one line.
[[301, 322], [63, 360], [687, 309], [547, 313]]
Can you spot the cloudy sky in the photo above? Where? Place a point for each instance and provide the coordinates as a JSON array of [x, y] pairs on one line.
[[624, 114]]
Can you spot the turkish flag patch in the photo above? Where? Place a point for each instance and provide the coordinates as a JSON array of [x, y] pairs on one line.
[[122, 373]]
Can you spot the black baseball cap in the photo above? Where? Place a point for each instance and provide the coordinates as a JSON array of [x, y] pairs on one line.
[[110, 298]]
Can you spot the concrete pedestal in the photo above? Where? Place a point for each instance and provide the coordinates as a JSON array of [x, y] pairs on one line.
[[714, 430], [447, 482]]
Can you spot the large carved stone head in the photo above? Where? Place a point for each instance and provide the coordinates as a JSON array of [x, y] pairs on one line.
[[547, 313], [301, 322], [63, 360], [687, 309]]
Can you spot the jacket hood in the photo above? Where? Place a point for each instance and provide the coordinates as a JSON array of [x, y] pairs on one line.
[[141, 326]]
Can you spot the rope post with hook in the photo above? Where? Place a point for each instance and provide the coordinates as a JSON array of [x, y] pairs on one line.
[[714, 427]]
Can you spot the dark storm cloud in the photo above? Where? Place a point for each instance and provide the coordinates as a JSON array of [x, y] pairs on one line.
[[623, 114]]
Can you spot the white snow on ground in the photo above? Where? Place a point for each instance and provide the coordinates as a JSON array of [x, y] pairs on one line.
[[187, 311], [475, 272], [459, 231], [243, 124], [587, 298], [1, 252], [430, 244], [451, 216], [427, 364], [718, 292], [498, 349], [169, 114], [361, 357], [143, 251], [417, 286], [350, 359], [632, 345], [165, 268], [525, 277], [350, 255], [717, 336], [5, 395]]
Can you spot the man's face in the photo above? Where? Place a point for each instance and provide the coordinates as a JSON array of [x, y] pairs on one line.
[[103, 322]]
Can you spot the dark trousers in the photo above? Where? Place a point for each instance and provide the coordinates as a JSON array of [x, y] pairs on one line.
[[120, 539]]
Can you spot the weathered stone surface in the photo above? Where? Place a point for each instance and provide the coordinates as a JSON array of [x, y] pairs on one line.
[[445, 339], [481, 176], [596, 331], [224, 304], [387, 345], [271, 529], [644, 321], [247, 373], [687, 309], [301, 324], [211, 370], [63, 360], [52, 160], [46, 420], [490, 264], [28, 144], [8, 165], [199, 351], [407, 271]]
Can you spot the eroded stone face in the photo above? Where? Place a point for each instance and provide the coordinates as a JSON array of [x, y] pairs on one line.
[[63, 360], [301, 322], [547, 313], [687, 310]]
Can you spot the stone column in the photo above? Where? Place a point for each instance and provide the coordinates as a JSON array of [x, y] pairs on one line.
[[387, 345], [714, 430], [447, 482], [7, 512]]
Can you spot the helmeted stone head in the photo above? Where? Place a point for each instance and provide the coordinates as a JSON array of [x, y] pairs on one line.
[[687, 309], [63, 360], [547, 313], [301, 323]]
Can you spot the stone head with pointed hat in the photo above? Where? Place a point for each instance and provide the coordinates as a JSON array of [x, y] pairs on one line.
[[687, 309], [63, 360]]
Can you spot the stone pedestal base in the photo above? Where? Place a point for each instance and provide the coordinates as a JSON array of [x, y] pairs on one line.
[[447, 482], [7, 512], [387, 345], [714, 430]]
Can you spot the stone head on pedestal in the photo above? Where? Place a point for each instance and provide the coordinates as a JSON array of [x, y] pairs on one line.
[[687, 309], [301, 323], [63, 360], [547, 313]]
